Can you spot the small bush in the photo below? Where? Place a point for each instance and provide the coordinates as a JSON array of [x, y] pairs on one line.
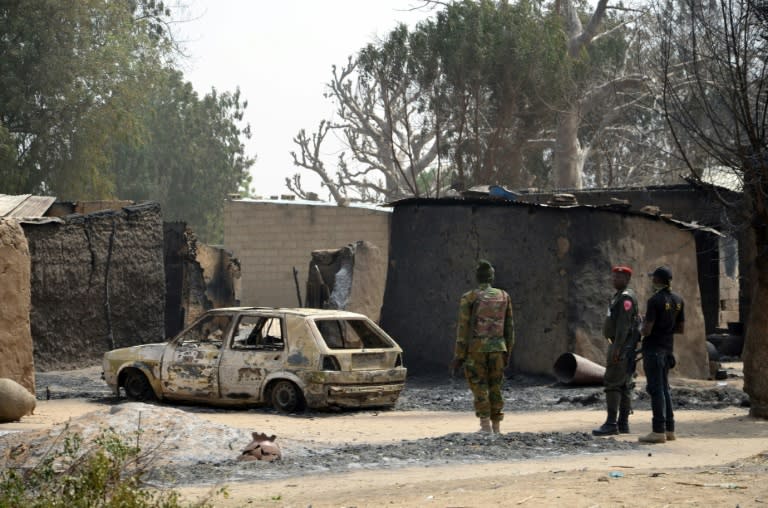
[[106, 474]]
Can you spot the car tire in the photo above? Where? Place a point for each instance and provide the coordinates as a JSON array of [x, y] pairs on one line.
[[286, 397], [137, 387]]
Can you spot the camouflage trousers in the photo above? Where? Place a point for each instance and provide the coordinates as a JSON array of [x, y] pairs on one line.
[[485, 375]]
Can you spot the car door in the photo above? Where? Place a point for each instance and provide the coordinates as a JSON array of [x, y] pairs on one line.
[[257, 348], [190, 365]]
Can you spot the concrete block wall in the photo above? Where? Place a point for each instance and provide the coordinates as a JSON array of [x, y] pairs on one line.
[[270, 238], [729, 301], [729, 281]]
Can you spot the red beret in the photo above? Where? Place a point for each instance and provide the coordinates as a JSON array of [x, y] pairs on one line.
[[622, 269]]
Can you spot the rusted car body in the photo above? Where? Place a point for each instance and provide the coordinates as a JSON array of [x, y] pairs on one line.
[[290, 358]]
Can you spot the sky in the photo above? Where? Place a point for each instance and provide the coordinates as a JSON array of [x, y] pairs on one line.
[[280, 54]]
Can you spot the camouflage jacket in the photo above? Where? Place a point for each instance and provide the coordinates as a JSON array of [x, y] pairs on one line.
[[485, 322]]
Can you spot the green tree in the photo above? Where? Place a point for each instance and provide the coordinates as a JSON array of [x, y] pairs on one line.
[[484, 92], [189, 155], [71, 72], [92, 108], [456, 97]]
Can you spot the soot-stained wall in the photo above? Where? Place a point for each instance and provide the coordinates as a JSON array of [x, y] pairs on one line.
[[555, 264], [351, 278], [97, 283], [722, 300]]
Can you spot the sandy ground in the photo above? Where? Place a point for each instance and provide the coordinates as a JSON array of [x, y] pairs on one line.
[[720, 459]]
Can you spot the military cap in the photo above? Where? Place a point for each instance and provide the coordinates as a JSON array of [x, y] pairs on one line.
[[621, 269]]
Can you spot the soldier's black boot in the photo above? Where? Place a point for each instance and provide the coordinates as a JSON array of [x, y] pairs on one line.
[[623, 421], [610, 427]]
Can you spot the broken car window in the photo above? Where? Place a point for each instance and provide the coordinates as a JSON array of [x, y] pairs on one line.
[[258, 332], [350, 334], [210, 329]]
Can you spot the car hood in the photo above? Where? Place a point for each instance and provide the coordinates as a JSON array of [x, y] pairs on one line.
[[145, 352]]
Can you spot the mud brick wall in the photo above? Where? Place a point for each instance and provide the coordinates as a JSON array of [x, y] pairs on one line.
[[15, 335], [198, 277], [271, 238], [723, 263], [555, 264], [351, 278], [97, 283]]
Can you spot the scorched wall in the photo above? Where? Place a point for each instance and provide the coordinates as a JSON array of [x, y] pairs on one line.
[[97, 283], [554, 262]]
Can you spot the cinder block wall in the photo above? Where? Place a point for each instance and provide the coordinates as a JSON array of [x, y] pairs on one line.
[[729, 281], [271, 237]]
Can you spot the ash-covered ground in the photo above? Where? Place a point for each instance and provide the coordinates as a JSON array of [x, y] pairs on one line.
[[191, 450], [521, 392]]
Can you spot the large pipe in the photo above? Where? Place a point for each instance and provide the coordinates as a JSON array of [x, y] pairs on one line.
[[572, 369]]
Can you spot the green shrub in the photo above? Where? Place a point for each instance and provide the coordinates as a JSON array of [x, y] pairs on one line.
[[106, 474]]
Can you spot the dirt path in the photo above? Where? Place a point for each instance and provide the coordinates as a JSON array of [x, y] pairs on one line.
[[713, 463], [717, 461]]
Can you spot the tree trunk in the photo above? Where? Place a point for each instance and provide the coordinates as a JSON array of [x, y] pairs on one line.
[[755, 353], [568, 160]]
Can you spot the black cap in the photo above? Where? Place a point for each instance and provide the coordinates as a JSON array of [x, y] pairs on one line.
[[663, 273]]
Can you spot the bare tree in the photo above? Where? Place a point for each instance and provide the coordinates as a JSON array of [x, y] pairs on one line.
[[602, 97], [391, 144], [715, 64], [456, 102]]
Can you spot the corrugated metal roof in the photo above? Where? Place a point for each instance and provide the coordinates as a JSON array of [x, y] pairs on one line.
[[24, 206], [9, 203]]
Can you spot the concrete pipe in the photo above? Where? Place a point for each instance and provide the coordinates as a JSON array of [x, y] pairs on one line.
[[572, 369]]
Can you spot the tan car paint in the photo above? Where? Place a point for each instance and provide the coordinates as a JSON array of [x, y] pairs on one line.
[[218, 374]]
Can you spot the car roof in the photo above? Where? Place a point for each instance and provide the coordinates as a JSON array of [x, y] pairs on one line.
[[297, 311]]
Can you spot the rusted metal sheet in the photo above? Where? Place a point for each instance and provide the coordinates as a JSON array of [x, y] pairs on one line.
[[24, 205]]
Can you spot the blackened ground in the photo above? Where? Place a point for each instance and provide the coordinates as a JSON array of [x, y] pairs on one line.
[[521, 393], [530, 393], [453, 448], [218, 464]]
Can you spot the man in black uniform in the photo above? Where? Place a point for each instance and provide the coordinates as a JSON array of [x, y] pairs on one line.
[[664, 317], [621, 331]]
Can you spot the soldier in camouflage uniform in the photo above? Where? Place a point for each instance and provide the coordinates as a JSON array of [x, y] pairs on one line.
[[484, 340], [621, 330]]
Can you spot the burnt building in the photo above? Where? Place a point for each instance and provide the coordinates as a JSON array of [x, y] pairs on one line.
[[723, 261], [555, 263]]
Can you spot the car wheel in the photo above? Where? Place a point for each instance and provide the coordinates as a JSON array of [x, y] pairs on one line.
[[286, 397], [137, 386]]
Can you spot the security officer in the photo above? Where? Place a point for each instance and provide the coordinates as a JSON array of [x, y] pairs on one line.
[[484, 339], [621, 330], [664, 317]]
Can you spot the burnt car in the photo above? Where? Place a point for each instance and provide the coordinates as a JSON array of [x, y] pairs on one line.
[[289, 358]]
